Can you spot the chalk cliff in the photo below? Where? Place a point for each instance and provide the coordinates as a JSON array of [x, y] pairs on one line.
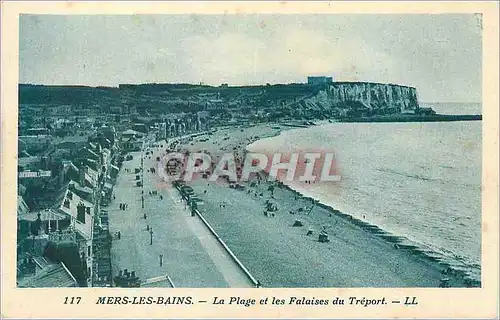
[[364, 98]]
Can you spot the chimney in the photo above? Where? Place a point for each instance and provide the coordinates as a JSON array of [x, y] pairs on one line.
[[44, 163], [80, 213], [81, 176], [61, 173]]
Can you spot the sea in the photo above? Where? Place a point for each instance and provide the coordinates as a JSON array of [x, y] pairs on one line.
[[421, 180]]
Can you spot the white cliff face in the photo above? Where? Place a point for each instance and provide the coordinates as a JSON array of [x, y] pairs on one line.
[[375, 95]]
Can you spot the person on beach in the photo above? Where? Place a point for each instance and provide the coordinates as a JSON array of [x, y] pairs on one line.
[[119, 235], [161, 260], [145, 216]]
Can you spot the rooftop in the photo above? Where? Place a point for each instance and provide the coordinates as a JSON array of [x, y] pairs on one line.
[[51, 275]]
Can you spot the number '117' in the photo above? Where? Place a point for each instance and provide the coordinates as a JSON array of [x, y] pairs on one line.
[[72, 300]]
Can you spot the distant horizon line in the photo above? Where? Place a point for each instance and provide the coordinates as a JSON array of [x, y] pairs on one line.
[[204, 84]]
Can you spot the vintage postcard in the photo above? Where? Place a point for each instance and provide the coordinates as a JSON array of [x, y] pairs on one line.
[[260, 159]]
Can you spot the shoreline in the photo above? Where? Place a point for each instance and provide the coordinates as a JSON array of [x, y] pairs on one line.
[[462, 270], [460, 278], [416, 118], [401, 241]]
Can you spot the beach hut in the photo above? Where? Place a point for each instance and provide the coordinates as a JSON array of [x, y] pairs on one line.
[[297, 223], [271, 206], [323, 237]]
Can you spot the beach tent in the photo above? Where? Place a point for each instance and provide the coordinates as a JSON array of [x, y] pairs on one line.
[[271, 206]]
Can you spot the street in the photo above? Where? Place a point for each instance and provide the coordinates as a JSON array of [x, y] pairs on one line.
[[191, 255]]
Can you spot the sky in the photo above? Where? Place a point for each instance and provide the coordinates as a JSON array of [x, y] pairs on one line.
[[440, 55]]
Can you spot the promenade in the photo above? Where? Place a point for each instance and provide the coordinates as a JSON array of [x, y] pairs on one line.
[[192, 257]]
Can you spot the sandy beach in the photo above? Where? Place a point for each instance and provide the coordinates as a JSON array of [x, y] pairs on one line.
[[281, 255]]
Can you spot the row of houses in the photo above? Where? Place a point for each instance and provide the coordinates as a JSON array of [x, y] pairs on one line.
[[65, 184], [62, 191]]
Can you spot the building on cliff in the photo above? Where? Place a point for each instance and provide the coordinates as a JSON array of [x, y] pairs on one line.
[[319, 80]]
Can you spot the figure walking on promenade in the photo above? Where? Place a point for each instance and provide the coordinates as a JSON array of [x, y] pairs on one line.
[[161, 260]]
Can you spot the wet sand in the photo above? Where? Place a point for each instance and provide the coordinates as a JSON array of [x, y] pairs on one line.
[[281, 255]]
